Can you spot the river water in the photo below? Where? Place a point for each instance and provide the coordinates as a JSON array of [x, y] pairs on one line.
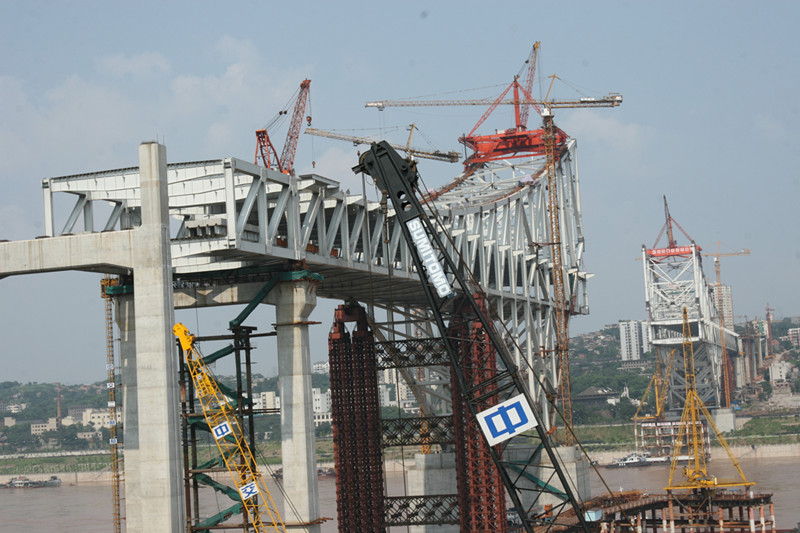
[[87, 508]]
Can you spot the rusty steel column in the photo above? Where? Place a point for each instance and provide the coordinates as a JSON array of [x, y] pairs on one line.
[[481, 495], [356, 423]]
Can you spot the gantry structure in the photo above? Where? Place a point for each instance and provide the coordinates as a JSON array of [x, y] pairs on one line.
[[234, 225], [674, 280]]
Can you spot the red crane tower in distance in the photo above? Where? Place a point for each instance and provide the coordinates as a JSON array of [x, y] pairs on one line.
[[265, 149]]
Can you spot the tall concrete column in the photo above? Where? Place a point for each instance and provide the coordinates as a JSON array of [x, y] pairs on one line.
[[294, 301], [154, 495]]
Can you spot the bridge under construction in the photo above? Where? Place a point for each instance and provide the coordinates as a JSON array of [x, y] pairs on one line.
[[503, 258], [238, 226]]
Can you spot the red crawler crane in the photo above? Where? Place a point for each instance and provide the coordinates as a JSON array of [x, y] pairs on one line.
[[265, 150]]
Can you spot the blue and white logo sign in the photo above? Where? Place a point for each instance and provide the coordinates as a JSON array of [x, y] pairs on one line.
[[505, 420], [249, 490], [222, 430]]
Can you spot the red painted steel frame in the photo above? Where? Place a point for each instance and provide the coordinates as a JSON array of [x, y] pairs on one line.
[[356, 423], [481, 494]]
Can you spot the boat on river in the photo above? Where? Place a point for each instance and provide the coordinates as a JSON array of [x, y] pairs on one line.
[[22, 482], [637, 459]]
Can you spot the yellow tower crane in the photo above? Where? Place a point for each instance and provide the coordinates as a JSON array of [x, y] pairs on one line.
[[230, 440], [696, 472], [111, 385], [727, 371], [658, 384]]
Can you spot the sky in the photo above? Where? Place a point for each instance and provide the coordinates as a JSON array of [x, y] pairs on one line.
[[708, 120]]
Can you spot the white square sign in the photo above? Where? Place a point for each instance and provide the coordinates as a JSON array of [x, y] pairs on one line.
[[505, 420]]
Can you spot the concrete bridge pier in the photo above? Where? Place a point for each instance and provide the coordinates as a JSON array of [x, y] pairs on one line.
[[154, 493], [294, 301]]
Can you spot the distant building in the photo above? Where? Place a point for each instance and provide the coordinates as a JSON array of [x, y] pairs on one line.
[[794, 336], [779, 371], [76, 411], [322, 367], [90, 435], [16, 407], [322, 418], [387, 395], [267, 400], [37, 428], [597, 397], [723, 299], [99, 418], [404, 393], [634, 339], [321, 400]]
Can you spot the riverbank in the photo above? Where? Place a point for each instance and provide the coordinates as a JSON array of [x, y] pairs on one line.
[[766, 451], [393, 466]]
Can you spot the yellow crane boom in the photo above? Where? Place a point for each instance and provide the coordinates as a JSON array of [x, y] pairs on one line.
[[696, 471], [230, 440]]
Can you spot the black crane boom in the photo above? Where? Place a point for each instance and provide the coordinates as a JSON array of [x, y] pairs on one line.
[[519, 445]]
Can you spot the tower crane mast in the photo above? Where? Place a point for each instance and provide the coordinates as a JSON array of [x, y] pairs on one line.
[[696, 473], [727, 371]]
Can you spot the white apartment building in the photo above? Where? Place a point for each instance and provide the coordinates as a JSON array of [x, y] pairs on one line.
[[779, 371], [321, 400], [634, 339], [723, 299], [794, 336], [386, 395], [100, 418], [267, 400], [322, 418]]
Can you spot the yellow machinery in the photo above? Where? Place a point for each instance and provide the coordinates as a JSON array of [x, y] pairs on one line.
[[727, 371], [696, 471], [230, 440], [658, 383]]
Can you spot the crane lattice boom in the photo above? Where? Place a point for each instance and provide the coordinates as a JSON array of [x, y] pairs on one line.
[[611, 100], [230, 439], [265, 149], [451, 156]]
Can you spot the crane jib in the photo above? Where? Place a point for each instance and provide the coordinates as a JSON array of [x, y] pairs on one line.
[[435, 270]]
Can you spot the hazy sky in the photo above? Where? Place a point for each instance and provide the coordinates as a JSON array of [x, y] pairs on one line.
[[709, 120]]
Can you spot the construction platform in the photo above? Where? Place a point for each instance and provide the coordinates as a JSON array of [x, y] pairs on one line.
[[720, 511]]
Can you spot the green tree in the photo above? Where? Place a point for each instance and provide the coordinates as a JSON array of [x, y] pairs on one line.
[[19, 437], [324, 429]]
